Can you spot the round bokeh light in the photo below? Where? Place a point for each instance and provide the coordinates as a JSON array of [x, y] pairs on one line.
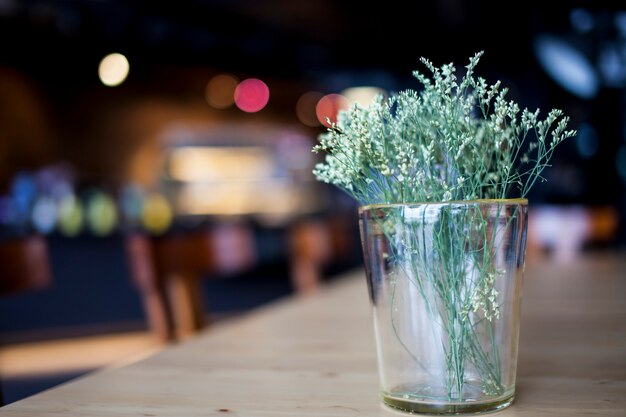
[[252, 95], [113, 69], [328, 107], [220, 91], [305, 108]]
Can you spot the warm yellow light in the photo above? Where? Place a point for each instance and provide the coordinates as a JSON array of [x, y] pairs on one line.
[[113, 69], [362, 95], [157, 214], [195, 163], [271, 197], [220, 91]]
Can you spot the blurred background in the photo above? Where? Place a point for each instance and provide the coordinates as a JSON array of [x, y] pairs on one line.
[[155, 163]]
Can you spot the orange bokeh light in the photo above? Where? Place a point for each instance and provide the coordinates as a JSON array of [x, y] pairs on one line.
[[306, 108], [329, 106], [220, 91]]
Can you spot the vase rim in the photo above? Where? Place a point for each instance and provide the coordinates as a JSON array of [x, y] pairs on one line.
[[480, 201]]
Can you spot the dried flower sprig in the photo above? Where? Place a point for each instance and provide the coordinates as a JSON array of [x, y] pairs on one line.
[[454, 140]]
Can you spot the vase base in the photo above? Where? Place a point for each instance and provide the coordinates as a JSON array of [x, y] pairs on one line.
[[447, 408]]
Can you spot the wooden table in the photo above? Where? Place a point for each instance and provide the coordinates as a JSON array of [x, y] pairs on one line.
[[314, 356]]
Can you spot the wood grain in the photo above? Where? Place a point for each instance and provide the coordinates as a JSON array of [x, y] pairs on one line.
[[314, 356]]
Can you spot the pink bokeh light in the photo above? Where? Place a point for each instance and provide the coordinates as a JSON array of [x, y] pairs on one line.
[[252, 95]]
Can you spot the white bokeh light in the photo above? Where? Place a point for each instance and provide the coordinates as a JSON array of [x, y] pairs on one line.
[[113, 69]]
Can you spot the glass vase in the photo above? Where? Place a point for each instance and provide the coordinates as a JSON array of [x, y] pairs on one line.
[[445, 285]]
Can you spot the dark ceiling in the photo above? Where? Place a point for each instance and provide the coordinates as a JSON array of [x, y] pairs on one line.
[[329, 43], [290, 39], [59, 43]]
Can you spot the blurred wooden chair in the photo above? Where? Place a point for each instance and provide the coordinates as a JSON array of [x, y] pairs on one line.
[[24, 266], [562, 232], [313, 244], [167, 271]]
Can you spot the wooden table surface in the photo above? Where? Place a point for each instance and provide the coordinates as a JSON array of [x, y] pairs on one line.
[[314, 356]]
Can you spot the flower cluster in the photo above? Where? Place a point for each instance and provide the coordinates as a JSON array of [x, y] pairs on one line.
[[454, 140]]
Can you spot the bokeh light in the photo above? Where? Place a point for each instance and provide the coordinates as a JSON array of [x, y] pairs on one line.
[[362, 96], [70, 216], [220, 91], [44, 214], [6, 210], [252, 95], [220, 163], [328, 107], [568, 66], [587, 141], [305, 108], [101, 214], [23, 194], [157, 214], [131, 202], [581, 20], [113, 69]]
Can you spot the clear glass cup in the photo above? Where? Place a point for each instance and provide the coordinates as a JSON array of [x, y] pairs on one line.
[[445, 285]]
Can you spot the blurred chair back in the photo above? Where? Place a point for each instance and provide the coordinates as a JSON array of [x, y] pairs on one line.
[[24, 266]]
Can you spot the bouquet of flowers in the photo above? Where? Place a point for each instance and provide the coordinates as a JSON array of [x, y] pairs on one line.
[[454, 140], [435, 172]]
